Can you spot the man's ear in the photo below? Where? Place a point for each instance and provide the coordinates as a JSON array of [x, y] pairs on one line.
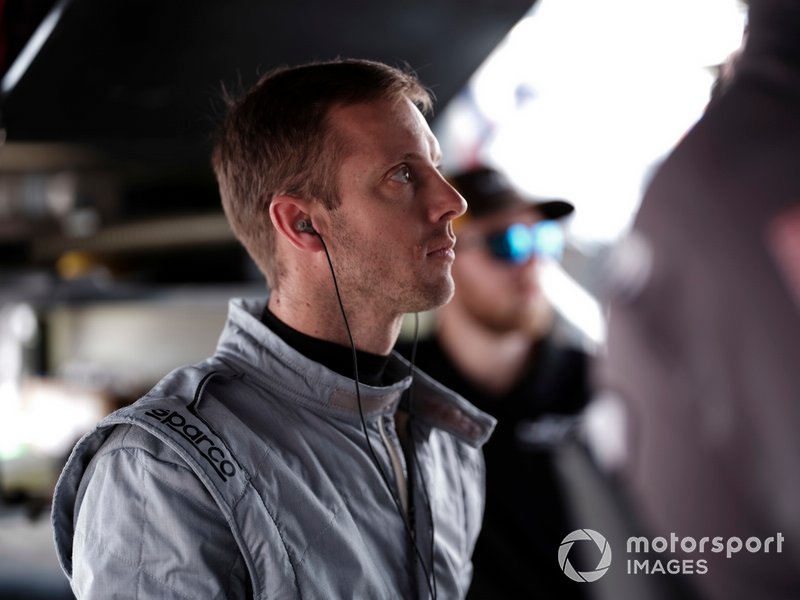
[[287, 214]]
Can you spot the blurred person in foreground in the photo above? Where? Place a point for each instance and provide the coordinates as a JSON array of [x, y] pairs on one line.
[[292, 464], [704, 332], [494, 344]]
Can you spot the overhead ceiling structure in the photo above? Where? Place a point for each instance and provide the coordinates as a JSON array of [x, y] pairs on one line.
[[119, 99]]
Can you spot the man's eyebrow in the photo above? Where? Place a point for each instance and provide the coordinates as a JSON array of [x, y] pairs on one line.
[[435, 158]]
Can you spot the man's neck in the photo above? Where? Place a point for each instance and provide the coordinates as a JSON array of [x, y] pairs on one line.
[[371, 368], [494, 361], [318, 314]]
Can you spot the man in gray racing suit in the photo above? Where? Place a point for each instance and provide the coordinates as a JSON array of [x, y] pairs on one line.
[[304, 459]]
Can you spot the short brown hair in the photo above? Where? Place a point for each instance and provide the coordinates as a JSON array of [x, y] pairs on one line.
[[276, 140]]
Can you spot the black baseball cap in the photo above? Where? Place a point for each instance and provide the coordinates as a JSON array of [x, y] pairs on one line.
[[487, 191]]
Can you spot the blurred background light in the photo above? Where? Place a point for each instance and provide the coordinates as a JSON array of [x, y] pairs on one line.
[[583, 98]]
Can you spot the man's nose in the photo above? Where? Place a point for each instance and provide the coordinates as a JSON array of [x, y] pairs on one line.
[[531, 263], [446, 203]]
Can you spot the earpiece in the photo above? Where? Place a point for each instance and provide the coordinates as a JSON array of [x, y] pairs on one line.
[[304, 226]]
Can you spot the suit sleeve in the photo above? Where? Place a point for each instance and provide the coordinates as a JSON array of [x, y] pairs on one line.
[[146, 528]]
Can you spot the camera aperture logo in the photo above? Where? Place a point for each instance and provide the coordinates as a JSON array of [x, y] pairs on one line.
[[584, 535]]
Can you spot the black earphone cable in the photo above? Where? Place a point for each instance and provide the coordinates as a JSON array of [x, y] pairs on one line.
[[384, 477], [413, 446]]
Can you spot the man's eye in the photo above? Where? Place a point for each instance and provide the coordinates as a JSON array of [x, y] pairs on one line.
[[402, 175]]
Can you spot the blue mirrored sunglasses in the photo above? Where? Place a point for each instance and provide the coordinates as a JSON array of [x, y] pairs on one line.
[[519, 242]]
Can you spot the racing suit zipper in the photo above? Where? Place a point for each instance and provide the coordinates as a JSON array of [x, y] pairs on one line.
[[396, 458]]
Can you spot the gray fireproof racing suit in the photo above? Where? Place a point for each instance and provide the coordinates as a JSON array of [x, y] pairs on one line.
[[248, 475]]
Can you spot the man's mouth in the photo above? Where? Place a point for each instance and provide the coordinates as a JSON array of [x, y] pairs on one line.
[[443, 249]]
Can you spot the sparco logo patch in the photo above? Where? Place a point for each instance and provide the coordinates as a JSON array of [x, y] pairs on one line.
[[192, 432]]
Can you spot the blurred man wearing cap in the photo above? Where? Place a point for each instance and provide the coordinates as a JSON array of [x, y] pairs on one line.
[[493, 344]]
